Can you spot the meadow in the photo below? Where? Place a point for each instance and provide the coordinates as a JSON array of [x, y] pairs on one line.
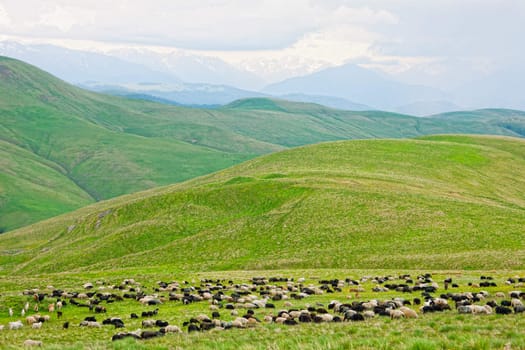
[[440, 330]]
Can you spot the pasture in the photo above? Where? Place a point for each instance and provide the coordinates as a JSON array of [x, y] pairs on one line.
[[430, 330]]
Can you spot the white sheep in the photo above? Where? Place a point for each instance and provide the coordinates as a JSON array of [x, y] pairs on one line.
[[148, 323], [36, 325], [369, 314], [396, 314], [172, 329], [30, 342], [15, 325]]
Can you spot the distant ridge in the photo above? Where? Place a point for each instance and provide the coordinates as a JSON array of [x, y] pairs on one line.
[[84, 147]]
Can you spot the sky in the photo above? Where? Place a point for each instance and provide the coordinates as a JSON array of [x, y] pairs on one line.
[[440, 42]]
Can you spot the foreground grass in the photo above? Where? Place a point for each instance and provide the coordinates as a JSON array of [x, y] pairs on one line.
[[447, 330]]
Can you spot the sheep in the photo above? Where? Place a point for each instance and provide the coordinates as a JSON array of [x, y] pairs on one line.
[[26, 306], [10, 312], [172, 329], [160, 323], [1, 327], [396, 314], [90, 324], [465, 309], [150, 334], [502, 310], [115, 321], [477, 309], [122, 335], [369, 314], [15, 325], [408, 312], [30, 342], [51, 308], [30, 320], [516, 302], [37, 325], [148, 323], [59, 305]]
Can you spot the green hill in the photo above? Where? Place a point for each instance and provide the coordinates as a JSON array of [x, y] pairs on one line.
[[441, 202], [64, 147]]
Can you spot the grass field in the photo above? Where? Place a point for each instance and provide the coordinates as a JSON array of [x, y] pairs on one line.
[[443, 202], [445, 330], [97, 147]]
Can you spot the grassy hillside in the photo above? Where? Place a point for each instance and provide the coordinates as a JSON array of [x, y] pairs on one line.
[[442, 202], [96, 147]]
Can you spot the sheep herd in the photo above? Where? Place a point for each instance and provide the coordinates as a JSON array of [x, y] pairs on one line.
[[260, 300]]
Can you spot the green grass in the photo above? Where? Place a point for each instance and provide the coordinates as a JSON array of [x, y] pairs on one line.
[[108, 146], [443, 202], [447, 330]]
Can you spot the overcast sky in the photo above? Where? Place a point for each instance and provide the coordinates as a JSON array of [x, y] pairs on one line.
[[415, 39]]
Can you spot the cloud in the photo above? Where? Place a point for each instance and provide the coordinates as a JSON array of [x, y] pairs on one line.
[[276, 39], [4, 17]]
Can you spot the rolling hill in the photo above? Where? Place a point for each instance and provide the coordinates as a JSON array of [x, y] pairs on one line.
[[439, 202], [66, 147]]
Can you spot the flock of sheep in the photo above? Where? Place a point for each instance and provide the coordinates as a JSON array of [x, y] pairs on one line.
[[245, 305]]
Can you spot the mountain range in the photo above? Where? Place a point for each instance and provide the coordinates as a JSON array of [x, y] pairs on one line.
[[64, 147], [192, 79]]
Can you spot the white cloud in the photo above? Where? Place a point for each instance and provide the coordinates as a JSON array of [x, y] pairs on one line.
[[59, 18], [279, 39], [4, 17]]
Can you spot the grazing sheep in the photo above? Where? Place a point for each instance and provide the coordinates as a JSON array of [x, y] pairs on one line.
[[160, 323], [172, 329], [369, 314], [150, 334], [477, 309], [30, 342], [51, 308], [37, 325], [408, 312], [465, 309], [30, 320], [396, 314], [10, 312], [90, 324], [148, 323], [503, 310], [516, 302], [15, 325]]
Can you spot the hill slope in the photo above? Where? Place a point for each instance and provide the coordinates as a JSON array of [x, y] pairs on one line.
[[441, 202], [96, 147]]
